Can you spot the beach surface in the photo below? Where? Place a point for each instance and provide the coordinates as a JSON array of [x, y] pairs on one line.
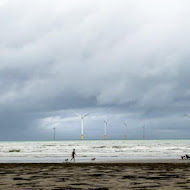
[[96, 176]]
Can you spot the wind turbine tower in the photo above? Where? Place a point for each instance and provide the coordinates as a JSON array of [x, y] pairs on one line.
[[54, 133], [105, 129], [144, 132], [82, 124], [125, 137]]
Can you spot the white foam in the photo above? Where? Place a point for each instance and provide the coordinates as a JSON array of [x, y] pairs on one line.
[[58, 151]]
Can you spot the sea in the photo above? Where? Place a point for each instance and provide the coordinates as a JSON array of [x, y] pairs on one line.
[[101, 150]]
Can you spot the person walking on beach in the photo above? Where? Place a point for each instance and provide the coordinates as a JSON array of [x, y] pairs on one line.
[[73, 155]]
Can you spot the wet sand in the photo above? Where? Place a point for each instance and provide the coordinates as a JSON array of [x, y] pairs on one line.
[[96, 176]]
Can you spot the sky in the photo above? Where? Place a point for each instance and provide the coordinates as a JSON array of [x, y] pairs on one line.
[[121, 61]]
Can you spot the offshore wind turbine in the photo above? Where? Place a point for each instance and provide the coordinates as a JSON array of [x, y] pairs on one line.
[[82, 124], [105, 129], [125, 137], [144, 132], [54, 133]]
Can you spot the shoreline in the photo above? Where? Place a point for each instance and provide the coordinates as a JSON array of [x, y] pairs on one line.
[[129, 161], [83, 164]]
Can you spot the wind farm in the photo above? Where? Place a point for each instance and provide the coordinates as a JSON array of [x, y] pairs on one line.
[[93, 126], [98, 127], [105, 121]]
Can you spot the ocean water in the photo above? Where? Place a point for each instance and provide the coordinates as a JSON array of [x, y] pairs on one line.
[[102, 150]]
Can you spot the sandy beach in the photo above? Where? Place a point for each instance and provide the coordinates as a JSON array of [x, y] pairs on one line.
[[96, 176]]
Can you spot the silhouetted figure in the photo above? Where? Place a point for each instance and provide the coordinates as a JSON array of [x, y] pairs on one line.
[[73, 155]]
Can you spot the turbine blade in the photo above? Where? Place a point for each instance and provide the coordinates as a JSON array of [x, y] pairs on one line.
[[86, 115], [77, 114]]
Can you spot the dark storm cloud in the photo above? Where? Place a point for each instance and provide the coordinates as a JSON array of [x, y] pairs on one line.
[[125, 59]]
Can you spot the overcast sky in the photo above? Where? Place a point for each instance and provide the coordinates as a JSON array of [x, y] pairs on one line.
[[127, 61]]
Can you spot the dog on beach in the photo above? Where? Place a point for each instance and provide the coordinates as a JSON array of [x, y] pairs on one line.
[[185, 157], [93, 159], [66, 160]]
